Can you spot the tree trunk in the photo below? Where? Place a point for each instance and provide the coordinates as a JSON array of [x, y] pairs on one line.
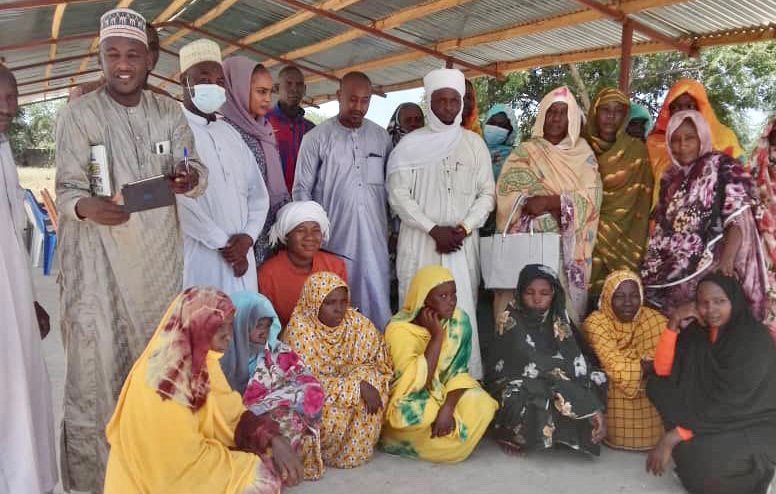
[[583, 94]]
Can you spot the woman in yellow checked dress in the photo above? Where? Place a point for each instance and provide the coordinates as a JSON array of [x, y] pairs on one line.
[[624, 335], [437, 411], [345, 352]]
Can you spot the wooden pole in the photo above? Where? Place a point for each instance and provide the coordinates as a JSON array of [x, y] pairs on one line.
[[626, 46]]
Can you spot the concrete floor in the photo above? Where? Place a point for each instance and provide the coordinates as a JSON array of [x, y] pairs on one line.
[[487, 471]]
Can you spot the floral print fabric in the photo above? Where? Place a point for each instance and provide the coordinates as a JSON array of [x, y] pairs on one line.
[[283, 387], [543, 382]]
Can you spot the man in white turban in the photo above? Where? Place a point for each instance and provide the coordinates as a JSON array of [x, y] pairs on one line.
[[300, 230], [440, 183]]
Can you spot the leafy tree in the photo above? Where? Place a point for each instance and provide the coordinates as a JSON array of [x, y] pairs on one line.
[[314, 116], [737, 78], [34, 128]]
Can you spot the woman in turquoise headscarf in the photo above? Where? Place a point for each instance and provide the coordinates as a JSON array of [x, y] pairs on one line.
[[280, 384], [500, 132], [639, 121]]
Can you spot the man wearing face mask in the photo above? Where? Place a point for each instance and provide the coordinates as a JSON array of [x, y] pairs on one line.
[[221, 225], [341, 166], [440, 183], [119, 271]]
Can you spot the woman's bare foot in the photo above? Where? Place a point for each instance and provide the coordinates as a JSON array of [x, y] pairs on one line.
[[509, 447]]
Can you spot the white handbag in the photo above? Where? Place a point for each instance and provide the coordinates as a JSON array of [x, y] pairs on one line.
[[504, 255]]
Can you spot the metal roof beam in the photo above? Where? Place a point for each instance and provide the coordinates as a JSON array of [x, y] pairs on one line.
[[208, 16], [532, 27], [622, 17], [232, 42], [32, 4], [388, 22], [40, 42], [57, 77], [747, 35], [50, 89], [395, 39], [55, 61], [288, 23], [56, 23]]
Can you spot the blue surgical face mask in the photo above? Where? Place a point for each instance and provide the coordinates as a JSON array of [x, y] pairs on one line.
[[208, 98], [494, 135]]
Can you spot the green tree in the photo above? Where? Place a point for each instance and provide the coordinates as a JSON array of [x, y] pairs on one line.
[[737, 78], [314, 116], [34, 128]]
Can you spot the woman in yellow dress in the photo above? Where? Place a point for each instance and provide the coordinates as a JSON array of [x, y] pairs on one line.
[[624, 334], [346, 353], [437, 411], [178, 427]]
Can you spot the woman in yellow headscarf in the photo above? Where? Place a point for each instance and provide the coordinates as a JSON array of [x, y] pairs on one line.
[[627, 188], [687, 94], [436, 411], [624, 334], [178, 426], [346, 353]]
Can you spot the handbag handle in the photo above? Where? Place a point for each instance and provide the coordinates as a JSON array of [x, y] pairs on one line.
[[518, 201]]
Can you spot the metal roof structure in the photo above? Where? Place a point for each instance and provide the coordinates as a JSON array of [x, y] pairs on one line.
[[51, 44]]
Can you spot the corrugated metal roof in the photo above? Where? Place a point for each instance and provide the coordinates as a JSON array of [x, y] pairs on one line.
[[673, 18]]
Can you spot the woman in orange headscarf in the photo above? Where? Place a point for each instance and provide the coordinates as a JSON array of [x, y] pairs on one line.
[[687, 94]]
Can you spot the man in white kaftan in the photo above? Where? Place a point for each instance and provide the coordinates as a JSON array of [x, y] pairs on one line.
[[234, 207], [341, 165], [440, 183], [27, 456], [119, 271]]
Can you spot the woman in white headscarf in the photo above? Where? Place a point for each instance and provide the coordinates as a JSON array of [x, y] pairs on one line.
[[558, 173], [299, 231]]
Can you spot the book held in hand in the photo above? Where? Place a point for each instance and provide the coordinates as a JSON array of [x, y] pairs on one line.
[[98, 172]]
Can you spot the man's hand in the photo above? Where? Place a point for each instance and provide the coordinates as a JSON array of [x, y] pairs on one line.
[[44, 324], [240, 268], [237, 248], [447, 238], [101, 210], [371, 398], [184, 180], [660, 456], [287, 463]]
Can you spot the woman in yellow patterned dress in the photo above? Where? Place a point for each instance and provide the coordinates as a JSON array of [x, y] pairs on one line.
[[346, 353], [437, 411], [624, 335]]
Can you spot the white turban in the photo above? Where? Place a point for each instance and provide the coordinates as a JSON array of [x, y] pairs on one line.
[[294, 214], [202, 50], [437, 140]]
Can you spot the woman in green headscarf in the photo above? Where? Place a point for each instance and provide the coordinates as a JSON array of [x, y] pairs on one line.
[[500, 131], [627, 188], [639, 121]]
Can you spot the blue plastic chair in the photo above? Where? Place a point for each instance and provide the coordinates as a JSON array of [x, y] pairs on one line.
[[44, 239]]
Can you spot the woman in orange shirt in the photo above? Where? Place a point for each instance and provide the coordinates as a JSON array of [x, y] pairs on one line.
[[715, 390], [299, 231]]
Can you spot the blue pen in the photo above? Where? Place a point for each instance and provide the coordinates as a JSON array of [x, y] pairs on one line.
[[186, 159]]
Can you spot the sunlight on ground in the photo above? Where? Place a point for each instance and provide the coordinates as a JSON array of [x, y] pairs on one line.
[[36, 179]]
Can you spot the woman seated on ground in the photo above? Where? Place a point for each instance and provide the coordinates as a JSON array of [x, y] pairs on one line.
[[280, 384], [556, 172], [704, 221], [624, 334], [436, 410], [299, 231], [716, 391], [179, 427], [686, 94], [547, 389], [346, 353], [627, 189]]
